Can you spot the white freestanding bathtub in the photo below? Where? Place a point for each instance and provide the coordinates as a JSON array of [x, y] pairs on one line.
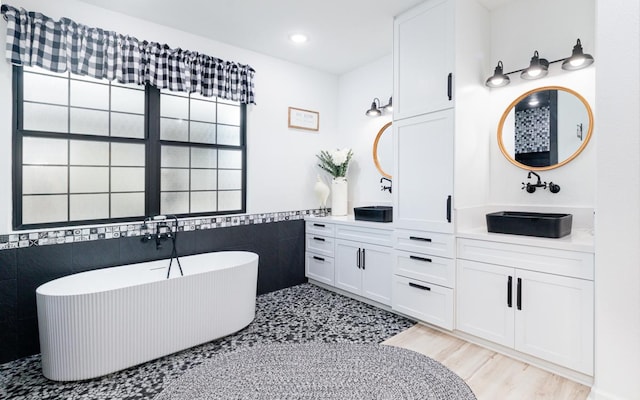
[[97, 322]]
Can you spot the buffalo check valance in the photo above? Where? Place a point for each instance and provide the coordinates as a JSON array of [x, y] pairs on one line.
[[33, 39]]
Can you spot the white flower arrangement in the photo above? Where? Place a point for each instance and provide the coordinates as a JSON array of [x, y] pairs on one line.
[[335, 163]]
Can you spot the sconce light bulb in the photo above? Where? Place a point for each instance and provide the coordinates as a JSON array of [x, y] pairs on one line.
[[534, 72], [577, 61], [497, 81]]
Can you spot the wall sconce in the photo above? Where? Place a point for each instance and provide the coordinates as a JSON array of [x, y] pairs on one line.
[[539, 67], [376, 109]]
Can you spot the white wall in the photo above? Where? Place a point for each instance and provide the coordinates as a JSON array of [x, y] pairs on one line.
[[618, 201], [357, 89], [551, 27], [281, 161]]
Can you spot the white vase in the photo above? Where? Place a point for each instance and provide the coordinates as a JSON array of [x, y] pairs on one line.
[[339, 196]]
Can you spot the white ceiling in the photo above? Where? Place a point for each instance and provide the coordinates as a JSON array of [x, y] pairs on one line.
[[343, 34]]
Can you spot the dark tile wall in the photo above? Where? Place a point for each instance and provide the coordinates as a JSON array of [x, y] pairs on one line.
[[280, 246]]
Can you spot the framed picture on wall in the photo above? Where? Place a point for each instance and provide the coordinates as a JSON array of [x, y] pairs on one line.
[[304, 119]]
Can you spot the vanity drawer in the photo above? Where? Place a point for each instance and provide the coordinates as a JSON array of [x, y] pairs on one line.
[[320, 228], [320, 244], [381, 237], [426, 302], [432, 269], [553, 261], [432, 243], [319, 268]]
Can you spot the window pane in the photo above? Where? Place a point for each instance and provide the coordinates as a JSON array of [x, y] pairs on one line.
[[174, 203], [44, 151], [46, 180], [127, 154], [127, 100], [174, 179], [127, 179], [42, 117], [89, 122], [90, 95], [89, 153], [39, 70], [228, 114], [174, 129], [230, 159], [202, 132], [127, 205], [46, 89], [89, 206], [203, 179], [202, 111], [127, 125], [173, 156], [231, 200], [42, 209], [229, 135], [230, 179], [89, 180], [203, 202], [174, 106], [203, 158]]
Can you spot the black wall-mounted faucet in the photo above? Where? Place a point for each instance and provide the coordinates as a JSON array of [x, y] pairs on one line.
[[531, 187], [383, 187]]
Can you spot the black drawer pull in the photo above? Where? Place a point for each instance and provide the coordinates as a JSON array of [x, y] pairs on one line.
[[419, 239], [415, 285], [318, 239], [519, 295], [510, 292], [420, 258], [318, 258], [320, 225]]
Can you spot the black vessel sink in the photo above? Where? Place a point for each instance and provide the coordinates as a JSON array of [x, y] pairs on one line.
[[530, 223], [374, 213]]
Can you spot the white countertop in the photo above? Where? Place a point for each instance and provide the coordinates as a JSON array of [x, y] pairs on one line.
[[350, 220], [578, 240]]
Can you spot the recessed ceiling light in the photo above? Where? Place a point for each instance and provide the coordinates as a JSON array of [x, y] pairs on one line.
[[298, 38]]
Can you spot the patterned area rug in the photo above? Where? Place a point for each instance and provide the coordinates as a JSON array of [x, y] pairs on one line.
[[319, 371]]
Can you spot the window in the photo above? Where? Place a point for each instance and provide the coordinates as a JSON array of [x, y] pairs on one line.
[[88, 150]]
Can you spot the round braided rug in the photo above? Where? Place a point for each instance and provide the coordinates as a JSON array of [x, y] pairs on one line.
[[319, 371]]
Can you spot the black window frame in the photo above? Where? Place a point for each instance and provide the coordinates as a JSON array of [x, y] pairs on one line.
[[152, 144]]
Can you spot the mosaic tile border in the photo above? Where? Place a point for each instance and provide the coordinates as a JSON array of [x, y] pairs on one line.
[[46, 237]]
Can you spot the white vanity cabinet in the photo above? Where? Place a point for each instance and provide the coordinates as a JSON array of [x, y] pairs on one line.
[[423, 59], [352, 256], [536, 300]]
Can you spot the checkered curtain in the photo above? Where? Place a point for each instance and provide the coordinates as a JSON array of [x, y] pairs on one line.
[[34, 39]]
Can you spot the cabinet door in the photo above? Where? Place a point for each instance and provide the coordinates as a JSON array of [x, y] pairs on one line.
[[424, 172], [554, 319], [348, 272], [485, 301], [423, 59], [376, 273], [319, 267]]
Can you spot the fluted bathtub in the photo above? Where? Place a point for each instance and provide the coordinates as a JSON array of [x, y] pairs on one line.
[[101, 321]]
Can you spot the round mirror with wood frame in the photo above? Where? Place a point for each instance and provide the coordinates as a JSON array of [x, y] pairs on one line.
[[545, 128], [376, 159]]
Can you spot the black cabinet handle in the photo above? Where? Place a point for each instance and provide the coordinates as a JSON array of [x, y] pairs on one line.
[[318, 258], [318, 239], [419, 239], [420, 258], [509, 292], [449, 209], [363, 258], [519, 294], [319, 225], [415, 285], [450, 86], [358, 259]]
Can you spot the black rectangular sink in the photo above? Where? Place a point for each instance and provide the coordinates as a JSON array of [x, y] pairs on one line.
[[548, 225], [374, 213]]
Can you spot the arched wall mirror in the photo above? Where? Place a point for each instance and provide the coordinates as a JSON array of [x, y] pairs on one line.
[[383, 150], [545, 128]]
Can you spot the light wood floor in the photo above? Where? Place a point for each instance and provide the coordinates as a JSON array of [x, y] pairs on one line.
[[491, 376]]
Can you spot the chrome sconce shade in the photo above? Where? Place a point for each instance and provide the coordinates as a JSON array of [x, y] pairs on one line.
[[377, 109], [578, 59], [539, 67], [498, 79]]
